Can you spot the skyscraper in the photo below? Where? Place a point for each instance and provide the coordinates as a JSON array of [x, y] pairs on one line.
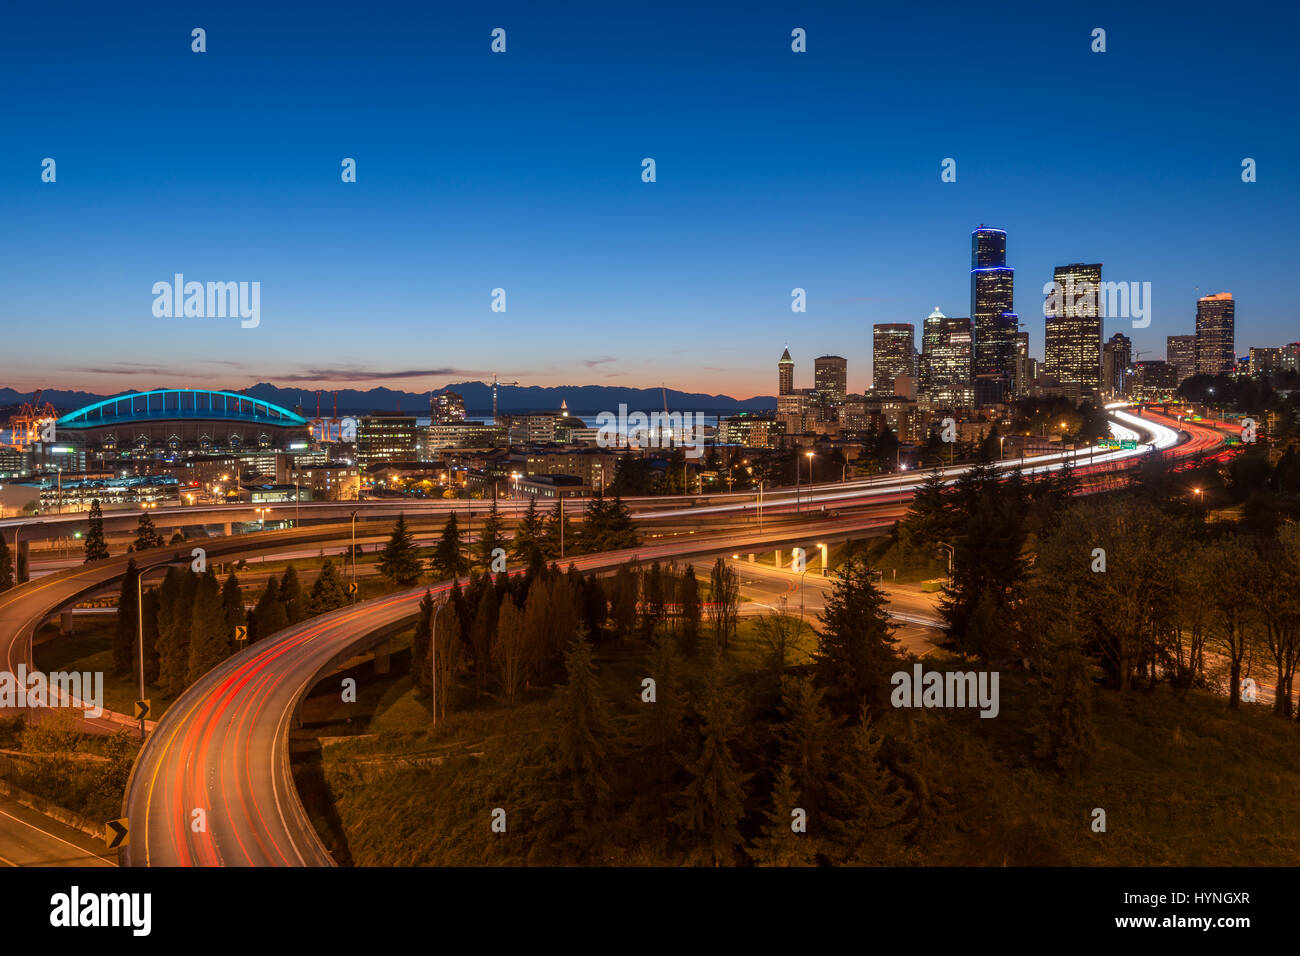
[[893, 353], [992, 308], [831, 378], [1215, 334], [1020, 386], [785, 374], [947, 368], [931, 337], [1117, 356], [1180, 352], [1072, 349]]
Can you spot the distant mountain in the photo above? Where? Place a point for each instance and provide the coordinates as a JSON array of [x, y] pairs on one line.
[[581, 399]]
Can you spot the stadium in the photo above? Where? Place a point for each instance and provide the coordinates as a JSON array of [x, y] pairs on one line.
[[181, 420]]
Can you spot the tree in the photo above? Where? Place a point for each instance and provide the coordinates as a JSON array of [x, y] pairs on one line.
[[856, 653], [714, 800], [482, 634], [175, 611], [511, 650], [148, 640], [449, 661], [269, 616], [447, 560], [421, 672], [778, 844], [622, 609], [209, 640], [780, 635], [146, 535], [400, 560], [232, 605], [689, 635], [1065, 734], [1233, 566], [6, 565], [96, 547], [652, 586], [724, 605], [556, 532], [660, 729], [126, 634], [870, 806], [1279, 606], [328, 593], [806, 739], [490, 538], [578, 781], [527, 545], [291, 596]]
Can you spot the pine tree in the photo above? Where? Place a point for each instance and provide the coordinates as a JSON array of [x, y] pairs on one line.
[[870, 805], [527, 547], [855, 653], [420, 670], [126, 634], [146, 535], [6, 565], [96, 547], [595, 521], [400, 560], [176, 608], [449, 661], [328, 593], [620, 533], [232, 606], [557, 531], [447, 561], [660, 730], [653, 589], [807, 739], [291, 596], [209, 639], [579, 779], [1065, 734], [714, 800], [510, 652], [690, 613], [148, 641], [778, 844], [490, 538], [623, 607], [269, 615]]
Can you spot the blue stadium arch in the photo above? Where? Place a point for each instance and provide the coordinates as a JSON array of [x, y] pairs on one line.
[[180, 404]]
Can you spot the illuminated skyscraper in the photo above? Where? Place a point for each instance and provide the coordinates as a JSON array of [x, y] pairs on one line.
[[785, 374], [1215, 334], [1116, 358], [1180, 352], [992, 308], [893, 353], [1072, 349], [831, 378]]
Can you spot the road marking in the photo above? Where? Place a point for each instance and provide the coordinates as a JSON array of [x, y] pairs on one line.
[[79, 849]]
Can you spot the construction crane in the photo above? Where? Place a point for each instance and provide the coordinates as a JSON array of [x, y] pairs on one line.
[[495, 383], [25, 427]]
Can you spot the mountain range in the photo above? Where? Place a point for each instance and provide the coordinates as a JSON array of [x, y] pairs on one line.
[[580, 399]]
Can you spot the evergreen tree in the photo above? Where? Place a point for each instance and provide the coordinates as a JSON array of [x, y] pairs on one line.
[[482, 636], [595, 609], [714, 800], [176, 609], [510, 652], [96, 547], [620, 533], [870, 808], [806, 742], [291, 596], [146, 535], [149, 641], [856, 653], [400, 560], [660, 730], [126, 635], [556, 531], [269, 616], [232, 606], [653, 589], [490, 538], [778, 844], [578, 780], [594, 526], [447, 561], [724, 606], [450, 660], [421, 673], [690, 612], [526, 547], [6, 565], [622, 610], [1065, 734], [209, 639], [328, 593]]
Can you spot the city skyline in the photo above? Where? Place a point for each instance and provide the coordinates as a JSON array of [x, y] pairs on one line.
[[765, 183]]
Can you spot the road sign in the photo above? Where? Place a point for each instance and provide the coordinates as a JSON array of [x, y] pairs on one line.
[[115, 834], [352, 589], [241, 632], [141, 709]]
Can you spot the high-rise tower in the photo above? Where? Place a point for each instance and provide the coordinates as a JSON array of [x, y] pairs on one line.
[[1072, 337], [992, 309], [785, 374], [1215, 334]]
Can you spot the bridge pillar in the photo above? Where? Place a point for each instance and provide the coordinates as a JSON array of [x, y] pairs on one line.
[[751, 557], [382, 659], [24, 561], [778, 557], [227, 529], [65, 623]]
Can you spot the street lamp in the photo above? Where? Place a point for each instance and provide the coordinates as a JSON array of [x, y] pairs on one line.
[[354, 548], [949, 549], [261, 514], [824, 559], [433, 660]]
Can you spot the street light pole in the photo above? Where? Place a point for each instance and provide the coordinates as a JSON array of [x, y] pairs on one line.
[[139, 596], [433, 660], [354, 547]]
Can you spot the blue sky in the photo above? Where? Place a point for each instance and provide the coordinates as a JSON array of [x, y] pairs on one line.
[[523, 171]]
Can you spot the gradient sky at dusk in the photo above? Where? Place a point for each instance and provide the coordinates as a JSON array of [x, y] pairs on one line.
[[522, 171]]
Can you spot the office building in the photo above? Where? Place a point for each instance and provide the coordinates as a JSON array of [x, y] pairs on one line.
[[1180, 352], [992, 307], [831, 378], [893, 353], [1215, 334], [1072, 336], [1116, 357]]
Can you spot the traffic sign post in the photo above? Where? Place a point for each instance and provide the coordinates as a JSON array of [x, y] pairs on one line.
[[141, 710], [115, 834], [241, 632]]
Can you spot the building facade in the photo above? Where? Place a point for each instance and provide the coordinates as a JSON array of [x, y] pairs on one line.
[[1215, 334]]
